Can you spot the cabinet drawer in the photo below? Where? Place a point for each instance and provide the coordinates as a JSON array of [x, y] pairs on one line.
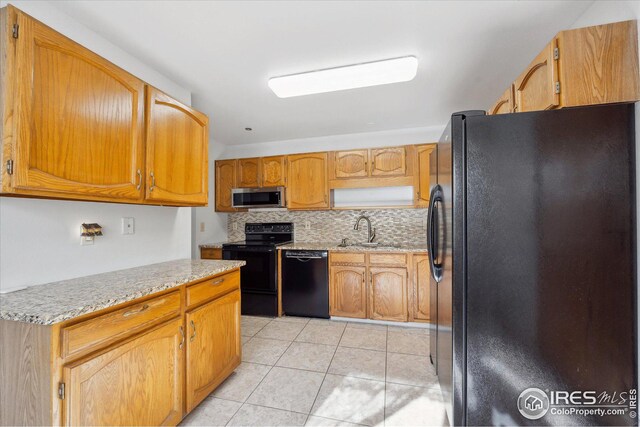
[[347, 258], [117, 324], [211, 288], [211, 253], [388, 259]]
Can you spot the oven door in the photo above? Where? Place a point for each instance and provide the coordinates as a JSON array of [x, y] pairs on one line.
[[260, 274]]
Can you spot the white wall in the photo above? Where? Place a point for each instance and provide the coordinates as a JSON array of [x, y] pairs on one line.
[[337, 142], [40, 239]]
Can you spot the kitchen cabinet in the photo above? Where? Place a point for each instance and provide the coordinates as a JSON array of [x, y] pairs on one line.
[[424, 176], [348, 291], [388, 293], [225, 181], [504, 104], [177, 151], [211, 253], [585, 66], [351, 164], [248, 173], [274, 171], [388, 161], [535, 89], [73, 122], [421, 288], [307, 181], [76, 126], [136, 383], [213, 346]]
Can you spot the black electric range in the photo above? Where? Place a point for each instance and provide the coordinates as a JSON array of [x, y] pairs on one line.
[[259, 277]]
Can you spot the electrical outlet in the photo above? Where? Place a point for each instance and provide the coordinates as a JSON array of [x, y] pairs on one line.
[[234, 226], [128, 225], [307, 225], [201, 227], [86, 240]]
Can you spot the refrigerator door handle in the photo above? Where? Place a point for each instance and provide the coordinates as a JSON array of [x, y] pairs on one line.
[[433, 238]]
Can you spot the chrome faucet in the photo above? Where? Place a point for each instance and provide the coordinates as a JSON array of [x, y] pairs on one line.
[[372, 232]]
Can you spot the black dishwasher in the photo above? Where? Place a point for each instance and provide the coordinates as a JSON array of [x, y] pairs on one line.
[[305, 283]]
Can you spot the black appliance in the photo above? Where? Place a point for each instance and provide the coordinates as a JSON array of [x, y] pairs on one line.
[[305, 283], [271, 197], [532, 243], [259, 277]]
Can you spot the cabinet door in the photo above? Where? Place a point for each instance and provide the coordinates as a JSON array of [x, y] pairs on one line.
[[388, 293], [248, 173], [348, 291], [308, 187], [504, 104], [225, 179], [136, 383], [425, 167], [273, 171], [421, 287], [177, 151], [388, 161], [535, 89], [78, 119], [213, 346], [351, 164]]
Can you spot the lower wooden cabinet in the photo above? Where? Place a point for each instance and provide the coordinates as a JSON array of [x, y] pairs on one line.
[[388, 293], [348, 291], [211, 253], [136, 383], [421, 287], [213, 346]]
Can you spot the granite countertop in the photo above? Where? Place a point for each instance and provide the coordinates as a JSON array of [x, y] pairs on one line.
[[216, 245], [333, 246], [59, 301]]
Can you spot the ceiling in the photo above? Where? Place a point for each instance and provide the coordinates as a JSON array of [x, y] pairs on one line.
[[225, 51]]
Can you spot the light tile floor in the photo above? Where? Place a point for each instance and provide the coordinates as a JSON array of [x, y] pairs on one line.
[[298, 371]]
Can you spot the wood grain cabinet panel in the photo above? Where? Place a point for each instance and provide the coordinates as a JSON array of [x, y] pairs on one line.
[[307, 183], [348, 291], [504, 104], [274, 171], [225, 181], [421, 287], [351, 164], [535, 89], [248, 173], [388, 293], [213, 346], [78, 119], [424, 174], [211, 253], [388, 161], [136, 383], [211, 288], [177, 151]]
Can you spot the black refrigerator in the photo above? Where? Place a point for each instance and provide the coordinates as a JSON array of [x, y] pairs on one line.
[[532, 245]]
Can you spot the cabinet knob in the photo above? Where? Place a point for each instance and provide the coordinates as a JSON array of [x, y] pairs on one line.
[[139, 173]]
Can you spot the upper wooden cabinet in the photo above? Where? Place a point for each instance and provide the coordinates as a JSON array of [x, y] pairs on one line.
[[307, 181], [225, 181], [585, 66], [388, 161], [248, 171], [177, 151], [351, 164], [73, 126], [536, 87], [136, 383], [425, 167], [504, 104], [274, 171], [78, 119]]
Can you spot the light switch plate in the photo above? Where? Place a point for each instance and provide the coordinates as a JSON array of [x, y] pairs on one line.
[[128, 225], [201, 227]]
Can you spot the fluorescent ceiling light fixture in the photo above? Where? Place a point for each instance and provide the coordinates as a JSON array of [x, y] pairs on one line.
[[348, 77]]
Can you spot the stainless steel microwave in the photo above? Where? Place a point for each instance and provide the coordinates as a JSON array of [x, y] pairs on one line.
[[272, 197]]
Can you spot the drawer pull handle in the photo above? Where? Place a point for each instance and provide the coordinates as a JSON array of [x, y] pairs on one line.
[[193, 337], [182, 340], [132, 312], [217, 282]]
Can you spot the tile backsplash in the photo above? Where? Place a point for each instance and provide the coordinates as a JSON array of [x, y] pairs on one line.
[[392, 225]]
